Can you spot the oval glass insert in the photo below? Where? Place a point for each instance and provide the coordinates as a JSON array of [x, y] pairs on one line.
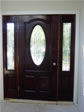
[[37, 44]]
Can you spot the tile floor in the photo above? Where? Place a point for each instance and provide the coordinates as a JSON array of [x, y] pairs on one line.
[[7, 106]]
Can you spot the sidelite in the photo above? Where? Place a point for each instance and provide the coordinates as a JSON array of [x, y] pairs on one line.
[[10, 46], [37, 44], [66, 47]]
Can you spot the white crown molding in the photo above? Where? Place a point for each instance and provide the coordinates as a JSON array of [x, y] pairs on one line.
[[40, 12]]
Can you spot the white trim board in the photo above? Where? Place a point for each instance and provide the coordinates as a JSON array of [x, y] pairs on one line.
[[76, 70], [1, 60], [40, 12]]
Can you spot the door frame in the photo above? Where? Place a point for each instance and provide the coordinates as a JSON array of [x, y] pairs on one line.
[[76, 70]]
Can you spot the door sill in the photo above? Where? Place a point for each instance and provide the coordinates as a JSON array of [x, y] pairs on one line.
[[39, 102]]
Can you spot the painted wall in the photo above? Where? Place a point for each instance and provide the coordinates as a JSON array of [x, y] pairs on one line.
[[40, 7], [1, 78], [81, 67], [26, 6]]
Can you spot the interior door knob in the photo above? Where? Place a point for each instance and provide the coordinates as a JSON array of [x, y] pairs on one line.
[[54, 64]]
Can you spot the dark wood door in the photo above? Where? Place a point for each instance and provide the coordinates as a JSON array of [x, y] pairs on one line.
[[39, 57]]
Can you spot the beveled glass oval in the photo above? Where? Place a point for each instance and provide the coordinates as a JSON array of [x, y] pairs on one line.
[[37, 44]]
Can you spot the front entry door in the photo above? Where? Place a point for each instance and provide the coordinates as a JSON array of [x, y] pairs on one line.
[[39, 57]]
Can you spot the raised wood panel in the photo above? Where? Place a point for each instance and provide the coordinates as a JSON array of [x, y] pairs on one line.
[[11, 81], [44, 95], [67, 82], [44, 83], [11, 86], [29, 82], [11, 93]]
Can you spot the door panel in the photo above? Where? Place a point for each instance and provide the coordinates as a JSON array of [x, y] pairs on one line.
[[43, 38], [38, 75]]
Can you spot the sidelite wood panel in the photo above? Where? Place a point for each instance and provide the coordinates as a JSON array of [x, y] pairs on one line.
[[38, 57], [67, 54], [11, 86], [9, 57]]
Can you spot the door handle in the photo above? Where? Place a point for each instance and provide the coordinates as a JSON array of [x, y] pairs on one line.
[[54, 64]]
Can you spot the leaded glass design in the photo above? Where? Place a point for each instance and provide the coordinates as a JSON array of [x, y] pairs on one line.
[[37, 44], [66, 46], [10, 46]]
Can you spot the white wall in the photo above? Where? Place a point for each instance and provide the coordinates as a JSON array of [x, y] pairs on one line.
[[40, 7], [81, 64], [1, 67]]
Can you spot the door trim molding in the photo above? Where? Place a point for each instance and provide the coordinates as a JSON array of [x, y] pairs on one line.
[[76, 70], [40, 12]]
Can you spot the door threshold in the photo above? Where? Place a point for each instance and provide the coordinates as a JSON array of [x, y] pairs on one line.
[[40, 102]]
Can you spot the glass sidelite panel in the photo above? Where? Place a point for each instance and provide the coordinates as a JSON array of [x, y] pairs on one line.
[[37, 44], [10, 46], [66, 46]]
